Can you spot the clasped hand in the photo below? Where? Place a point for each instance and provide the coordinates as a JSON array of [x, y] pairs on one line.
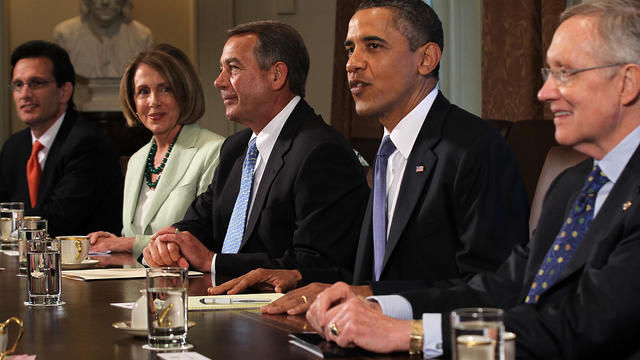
[[169, 247]]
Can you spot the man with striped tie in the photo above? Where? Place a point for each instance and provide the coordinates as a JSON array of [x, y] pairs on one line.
[[289, 192], [571, 293]]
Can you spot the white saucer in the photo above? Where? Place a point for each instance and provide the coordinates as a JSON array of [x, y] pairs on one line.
[[85, 264], [126, 327]]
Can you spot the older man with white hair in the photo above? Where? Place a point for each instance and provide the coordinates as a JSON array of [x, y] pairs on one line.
[[570, 293]]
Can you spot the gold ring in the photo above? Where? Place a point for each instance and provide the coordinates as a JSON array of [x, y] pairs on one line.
[[304, 299], [334, 329], [177, 231]]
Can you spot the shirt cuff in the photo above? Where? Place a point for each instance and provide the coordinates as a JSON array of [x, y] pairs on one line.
[[432, 330], [213, 269], [395, 306]]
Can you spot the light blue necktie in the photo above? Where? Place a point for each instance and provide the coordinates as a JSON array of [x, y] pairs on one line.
[[235, 230], [380, 204]]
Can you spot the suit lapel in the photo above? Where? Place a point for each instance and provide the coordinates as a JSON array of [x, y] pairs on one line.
[[275, 163], [133, 184], [53, 157], [625, 190], [419, 167], [177, 165]]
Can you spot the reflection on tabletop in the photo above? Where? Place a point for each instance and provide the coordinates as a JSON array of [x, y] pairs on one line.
[[116, 260]]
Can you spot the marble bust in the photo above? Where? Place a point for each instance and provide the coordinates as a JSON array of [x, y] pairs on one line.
[[103, 39]]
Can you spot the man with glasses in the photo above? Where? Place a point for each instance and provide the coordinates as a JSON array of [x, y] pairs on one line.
[[571, 292], [60, 166]]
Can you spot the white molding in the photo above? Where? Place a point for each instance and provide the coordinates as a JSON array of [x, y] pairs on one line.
[[461, 64]]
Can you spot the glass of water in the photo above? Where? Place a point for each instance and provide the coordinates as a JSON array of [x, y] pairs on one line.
[[477, 333], [167, 308], [44, 285], [10, 217], [31, 228]]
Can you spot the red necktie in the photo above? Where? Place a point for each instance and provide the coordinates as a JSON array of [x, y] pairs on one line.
[[34, 173]]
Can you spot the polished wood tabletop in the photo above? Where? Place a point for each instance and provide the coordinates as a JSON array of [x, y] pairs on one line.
[[82, 328]]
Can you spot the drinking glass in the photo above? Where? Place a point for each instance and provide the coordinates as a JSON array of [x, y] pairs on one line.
[[10, 218], [31, 228], [44, 285], [167, 308], [477, 333]]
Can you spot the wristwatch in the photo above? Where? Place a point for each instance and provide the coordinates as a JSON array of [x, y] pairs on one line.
[[417, 338]]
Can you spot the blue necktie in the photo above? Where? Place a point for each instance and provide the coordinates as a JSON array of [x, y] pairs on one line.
[[235, 230], [569, 237], [380, 204]]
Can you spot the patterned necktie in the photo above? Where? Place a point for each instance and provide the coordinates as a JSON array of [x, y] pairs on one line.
[[235, 230], [569, 237], [380, 204], [34, 173]]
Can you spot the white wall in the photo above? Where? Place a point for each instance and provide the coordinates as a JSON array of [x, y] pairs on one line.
[[5, 120], [461, 64]]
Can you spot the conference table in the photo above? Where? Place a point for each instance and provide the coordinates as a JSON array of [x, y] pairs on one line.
[[82, 328]]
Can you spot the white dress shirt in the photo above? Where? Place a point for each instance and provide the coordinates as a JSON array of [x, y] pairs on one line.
[[612, 165], [47, 140], [265, 140], [404, 136]]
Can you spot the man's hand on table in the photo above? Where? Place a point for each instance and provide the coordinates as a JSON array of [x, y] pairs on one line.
[[297, 301], [169, 247], [340, 315], [277, 280]]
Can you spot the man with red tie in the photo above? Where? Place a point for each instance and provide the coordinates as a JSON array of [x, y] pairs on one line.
[[60, 166]]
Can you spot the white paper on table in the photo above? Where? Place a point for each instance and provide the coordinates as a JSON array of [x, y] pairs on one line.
[[111, 274], [189, 355], [10, 252]]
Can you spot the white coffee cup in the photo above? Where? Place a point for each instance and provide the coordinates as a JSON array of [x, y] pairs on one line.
[[4, 336], [139, 313], [75, 248]]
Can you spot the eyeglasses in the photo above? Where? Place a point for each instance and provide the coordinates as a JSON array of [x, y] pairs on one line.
[[563, 76], [34, 84]]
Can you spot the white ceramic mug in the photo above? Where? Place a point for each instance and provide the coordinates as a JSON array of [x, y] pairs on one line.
[[75, 248], [4, 336]]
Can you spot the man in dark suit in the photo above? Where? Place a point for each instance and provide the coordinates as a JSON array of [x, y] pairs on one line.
[[305, 192], [61, 167], [455, 201], [570, 293]]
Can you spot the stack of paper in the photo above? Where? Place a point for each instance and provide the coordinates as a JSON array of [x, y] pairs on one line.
[[110, 274], [232, 302]]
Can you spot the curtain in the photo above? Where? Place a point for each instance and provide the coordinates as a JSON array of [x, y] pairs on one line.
[[515, 37]]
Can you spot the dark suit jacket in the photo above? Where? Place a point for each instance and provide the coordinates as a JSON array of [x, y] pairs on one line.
[[591, 311], [460, 215], [307, 209], [81, 185]]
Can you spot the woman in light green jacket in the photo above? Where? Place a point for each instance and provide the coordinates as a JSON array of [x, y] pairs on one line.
[[160, 90]]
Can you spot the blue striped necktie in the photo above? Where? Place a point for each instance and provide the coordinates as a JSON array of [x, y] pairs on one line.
[[380, 204], [571, 233], [235, 230]]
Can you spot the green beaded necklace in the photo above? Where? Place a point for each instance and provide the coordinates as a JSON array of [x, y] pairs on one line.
[[150, 169]]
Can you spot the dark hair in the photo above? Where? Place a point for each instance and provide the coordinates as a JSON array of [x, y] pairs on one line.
[[279, 42], [62, 69], [176, 68], [414, 19]]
